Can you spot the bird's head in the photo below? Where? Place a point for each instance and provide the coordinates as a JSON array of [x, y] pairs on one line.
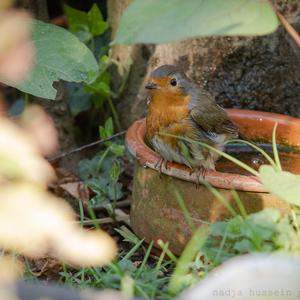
[[169, 79]]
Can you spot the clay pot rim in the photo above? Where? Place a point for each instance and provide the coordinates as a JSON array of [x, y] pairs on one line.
[[149, 158]]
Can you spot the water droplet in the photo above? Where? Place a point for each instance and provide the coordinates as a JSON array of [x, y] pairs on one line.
[[83, 76], [256, 161]]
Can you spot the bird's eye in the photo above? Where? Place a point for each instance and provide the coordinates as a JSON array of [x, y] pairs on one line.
[[173, 82]]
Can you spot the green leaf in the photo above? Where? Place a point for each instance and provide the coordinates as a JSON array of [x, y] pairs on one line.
[[90, 23], [100, 86], [115, 171], [77, 19], [117, 149], [79, 101], [115, 191], [159, 21], [88, 168], [128, 236], [284, 185], [59, 56], [95, 20], [243, 246], [107, 130]]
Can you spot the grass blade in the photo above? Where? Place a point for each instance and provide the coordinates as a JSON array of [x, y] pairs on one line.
[[185, 211], [239, 203], [188, 255], [162, 245], [133, 250], [221, 198], [161, 257], [141, 268], [93, 217], [275, 150]]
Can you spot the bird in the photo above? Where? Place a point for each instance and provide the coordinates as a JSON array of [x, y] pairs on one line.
[[180, 114]]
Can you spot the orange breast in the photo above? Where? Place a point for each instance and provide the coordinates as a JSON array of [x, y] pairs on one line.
[[165, 108]]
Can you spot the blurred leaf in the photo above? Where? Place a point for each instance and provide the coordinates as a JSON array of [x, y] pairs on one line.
[[77, 19], [95, 20], [79, 101], [115, 191], [105, 190], [243, 246], [115, 171], [88, 167], [107, 130], [117, 149], [267, 217], [284, 185], [57, 60], [100, 85], [103, 62], [159, 21], [85, 24], [128, 236]]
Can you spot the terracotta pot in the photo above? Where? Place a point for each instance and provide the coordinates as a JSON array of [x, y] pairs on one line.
[[155, 213]]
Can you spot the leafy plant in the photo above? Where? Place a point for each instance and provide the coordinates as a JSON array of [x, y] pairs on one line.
[[91, 29], [85, 26], [266, 231], [102, 172]]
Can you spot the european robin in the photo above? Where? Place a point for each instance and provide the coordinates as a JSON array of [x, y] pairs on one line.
[[178, 107]]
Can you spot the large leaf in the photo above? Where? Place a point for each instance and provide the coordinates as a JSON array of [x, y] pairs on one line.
[[283, 184], [158, 21], [59, 56]]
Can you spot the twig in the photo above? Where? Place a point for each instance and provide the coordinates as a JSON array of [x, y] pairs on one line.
[[120, 216], [288, 27], [119, 204], [59, 156]]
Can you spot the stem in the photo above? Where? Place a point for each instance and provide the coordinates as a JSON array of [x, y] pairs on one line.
[[114, 112], [26, 100], [99, 165]]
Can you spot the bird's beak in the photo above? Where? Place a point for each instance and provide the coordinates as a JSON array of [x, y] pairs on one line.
[[151, 86]]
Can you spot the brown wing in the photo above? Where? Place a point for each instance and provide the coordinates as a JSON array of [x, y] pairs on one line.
[[211, 117]]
